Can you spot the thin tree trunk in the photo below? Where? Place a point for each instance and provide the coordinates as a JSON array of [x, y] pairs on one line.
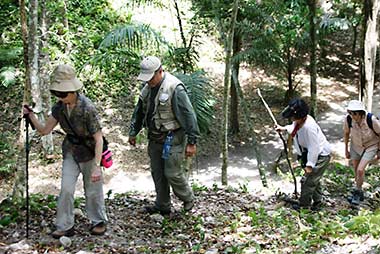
[[289, 73], [313, 60], [47, 140], [255, 144], [353, 50], [227, 81], [234, 116], [371, 9], [66, 26], [185, 57]]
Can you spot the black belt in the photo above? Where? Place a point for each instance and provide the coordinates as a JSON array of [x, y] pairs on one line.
[[158, 136]]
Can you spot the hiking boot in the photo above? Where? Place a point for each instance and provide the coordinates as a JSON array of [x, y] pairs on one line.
[[317, 206], [59, 233], [187, 206], [296, 207], [99, 229], [153, 209], [355, 199], [361, 195]]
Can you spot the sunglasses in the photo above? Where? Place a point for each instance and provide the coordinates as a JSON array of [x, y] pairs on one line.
[[353, 113], [60, 94]]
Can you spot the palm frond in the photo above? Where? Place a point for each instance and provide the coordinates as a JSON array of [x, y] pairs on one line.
[[199, 90], [134, 35], [7, 76]]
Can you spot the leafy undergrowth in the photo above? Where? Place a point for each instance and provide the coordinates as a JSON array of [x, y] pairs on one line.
[[224, 220]]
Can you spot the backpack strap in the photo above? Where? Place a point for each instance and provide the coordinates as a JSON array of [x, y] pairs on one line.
[[370, 124], [349, 121], [369, 120]]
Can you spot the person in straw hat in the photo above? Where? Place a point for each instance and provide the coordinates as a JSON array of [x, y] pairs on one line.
[[164, 108], [364, 143], [78, 117]]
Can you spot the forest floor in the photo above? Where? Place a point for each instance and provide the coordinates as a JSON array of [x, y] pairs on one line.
[[222, 214]]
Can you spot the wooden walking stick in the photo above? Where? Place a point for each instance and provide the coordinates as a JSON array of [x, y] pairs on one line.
[[283, 141]]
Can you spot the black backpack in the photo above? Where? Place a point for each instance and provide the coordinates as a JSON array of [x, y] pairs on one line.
[[369, 122]]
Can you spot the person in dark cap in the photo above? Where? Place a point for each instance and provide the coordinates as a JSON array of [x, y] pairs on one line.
[[312, 148], [164, 108], [78, 117]]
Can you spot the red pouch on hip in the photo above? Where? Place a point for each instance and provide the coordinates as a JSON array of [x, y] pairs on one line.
[[107, 158]]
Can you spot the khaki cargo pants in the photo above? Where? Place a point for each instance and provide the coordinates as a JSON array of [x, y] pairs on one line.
[[95, 206]]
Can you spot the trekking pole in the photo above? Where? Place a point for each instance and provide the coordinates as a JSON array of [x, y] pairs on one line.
[[283, 141], [27, 149], [27, 122]]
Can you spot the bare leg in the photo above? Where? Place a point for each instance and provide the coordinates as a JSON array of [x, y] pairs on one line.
[[360, 171], [355, 164]]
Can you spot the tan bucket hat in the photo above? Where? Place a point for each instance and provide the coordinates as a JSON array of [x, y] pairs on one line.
[[63, 79]]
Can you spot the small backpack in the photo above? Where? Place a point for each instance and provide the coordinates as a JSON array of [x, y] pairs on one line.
[[369, 122]]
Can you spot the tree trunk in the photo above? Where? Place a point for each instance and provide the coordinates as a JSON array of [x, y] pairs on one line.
[[66, 26], [19, 187], [313, 60], [255, 144], [355, 38], [234, 116], [227, 79], [47, 141], [289, 74], [368, 58]]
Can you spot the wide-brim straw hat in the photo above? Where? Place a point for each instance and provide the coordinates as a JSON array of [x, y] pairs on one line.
[[63, 79]]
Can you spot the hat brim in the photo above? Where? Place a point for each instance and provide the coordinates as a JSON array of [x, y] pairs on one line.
[[71, 85], [288, 112], [145, 76], [355, 109]]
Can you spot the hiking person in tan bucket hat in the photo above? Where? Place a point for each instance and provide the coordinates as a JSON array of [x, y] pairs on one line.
[[78, 117]]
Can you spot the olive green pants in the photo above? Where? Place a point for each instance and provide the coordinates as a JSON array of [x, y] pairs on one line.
[[311, 183], [168, 173]]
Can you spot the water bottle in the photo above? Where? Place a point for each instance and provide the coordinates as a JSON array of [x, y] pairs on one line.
[[167, 146]]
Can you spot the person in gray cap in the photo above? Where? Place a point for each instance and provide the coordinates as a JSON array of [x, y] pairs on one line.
[[78, 117], [361, 129], [165, 110], [312, 148]]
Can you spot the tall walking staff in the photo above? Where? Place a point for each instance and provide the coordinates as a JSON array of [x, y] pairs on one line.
[[27, 149], [283, 141]]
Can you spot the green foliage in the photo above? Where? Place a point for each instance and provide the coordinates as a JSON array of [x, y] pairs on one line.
[[118, 57], [199, 90], [7, 155], [13, 211], [340, 176], [344, 14], [365, 222], [134, 36], [196, 187], [183, 59]]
